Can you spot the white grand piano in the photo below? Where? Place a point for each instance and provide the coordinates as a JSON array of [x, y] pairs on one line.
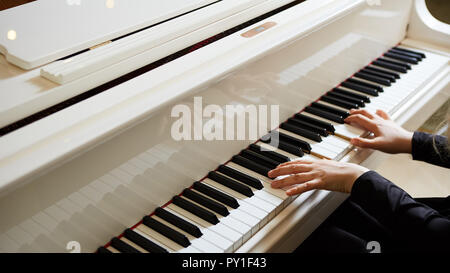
[[87, 160]]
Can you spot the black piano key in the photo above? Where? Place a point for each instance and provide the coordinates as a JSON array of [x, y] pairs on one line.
[[287, 148], [260, 159], [400, 57], [206, 202], [251, 165], [373, 73], [325, 114], [365, 98], [242, 177], [410, 51], [103, 250], [122, 246], [311, 127], [230, 183], [328, 126], [373, 78], [339, 102], [217, 195], [330, 109], [381, 72], [196, 210], [178, 222], [406, 54], [349, 99], [390, 66], [371, 85], [270, 154], [305, 146], [301, 131], [398, 63], [143, 242], [170, 233], [361, 88]]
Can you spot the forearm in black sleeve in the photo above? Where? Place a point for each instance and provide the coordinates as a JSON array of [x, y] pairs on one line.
[[409, 221], [431, 148]]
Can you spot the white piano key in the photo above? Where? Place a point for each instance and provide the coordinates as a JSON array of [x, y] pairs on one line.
[[189, 249], [248, 207], [199, 243], [265, 180], [336, 141], [132, 244], [281, 152], [154, 240], [267, 193], [112, 249], [268, 197], [279, 193], [154, 235], [238, 215], [222, 228], [316, 147], [225, 227], [342, 129], [208, 234], [238, 226]]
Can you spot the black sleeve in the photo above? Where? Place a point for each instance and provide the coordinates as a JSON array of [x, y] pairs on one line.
[[431, 148], [409, 221]]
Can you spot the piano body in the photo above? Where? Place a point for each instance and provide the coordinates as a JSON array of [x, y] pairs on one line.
[[86, 149]]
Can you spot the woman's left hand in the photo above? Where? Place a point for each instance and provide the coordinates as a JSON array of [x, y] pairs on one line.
[[316, 174]]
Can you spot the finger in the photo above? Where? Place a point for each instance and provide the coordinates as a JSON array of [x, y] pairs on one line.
[[302, 188], [383, 114], [362, 112], [362, 121], [297, 161], [294, 179], [365, 142], [289, 169]]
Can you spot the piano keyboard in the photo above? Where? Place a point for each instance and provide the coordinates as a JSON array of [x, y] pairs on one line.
[[223, 210]]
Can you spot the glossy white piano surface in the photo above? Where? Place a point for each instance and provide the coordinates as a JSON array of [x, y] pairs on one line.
[[65, 27], [90, 171]]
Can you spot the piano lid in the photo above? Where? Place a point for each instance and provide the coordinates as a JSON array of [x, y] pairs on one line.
[[54, 29]]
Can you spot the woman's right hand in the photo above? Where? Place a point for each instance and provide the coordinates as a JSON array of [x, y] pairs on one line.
[[388, 136]]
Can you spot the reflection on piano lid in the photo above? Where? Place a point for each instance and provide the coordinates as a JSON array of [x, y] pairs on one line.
[[108, 164], [81, 73]]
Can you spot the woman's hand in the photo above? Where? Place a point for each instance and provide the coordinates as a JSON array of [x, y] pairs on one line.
[[321, 174], [388, 136]]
